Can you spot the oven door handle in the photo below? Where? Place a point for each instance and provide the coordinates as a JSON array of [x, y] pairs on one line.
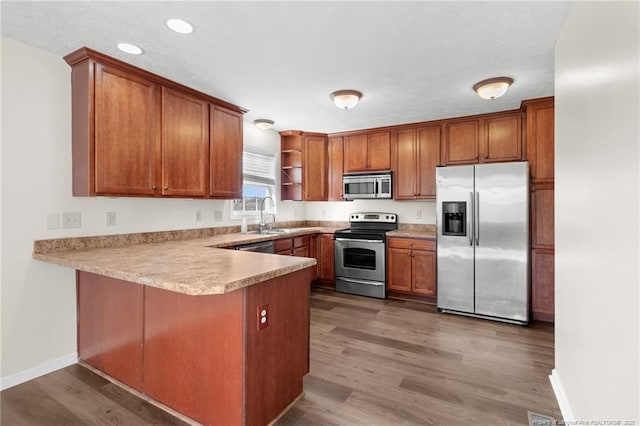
[[357, 240], [351, 280]]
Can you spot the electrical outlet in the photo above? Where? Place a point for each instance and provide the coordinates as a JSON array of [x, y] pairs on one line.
[[53, 220], [71, 220], [198, 215], [418, 214], [263, 316], [111, 218], [217, 215]]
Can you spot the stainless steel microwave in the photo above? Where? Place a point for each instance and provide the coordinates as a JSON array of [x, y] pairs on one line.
[[366, 186]]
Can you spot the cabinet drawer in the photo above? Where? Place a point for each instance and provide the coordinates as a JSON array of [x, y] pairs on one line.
[[282, 244], [411, 243], [301, 241]]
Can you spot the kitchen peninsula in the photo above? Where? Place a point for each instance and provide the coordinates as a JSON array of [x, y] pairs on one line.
[[181, 323]]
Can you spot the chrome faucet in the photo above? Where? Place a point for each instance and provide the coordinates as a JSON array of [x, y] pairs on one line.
[[262, 224]]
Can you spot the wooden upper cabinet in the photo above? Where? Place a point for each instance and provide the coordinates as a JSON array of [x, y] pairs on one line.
[[314, 167], [138, 134], [540, 140], [461, 142], [494, 138], [367, 152], [225, 142], [415, 154], [127, 135], [379, 151], [335, 169], [185, 144], [502, 138], [356, 153]]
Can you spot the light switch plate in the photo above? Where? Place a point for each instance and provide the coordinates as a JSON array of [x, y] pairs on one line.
[[111, 218], [217, 215], [71, 220], [53, 220]]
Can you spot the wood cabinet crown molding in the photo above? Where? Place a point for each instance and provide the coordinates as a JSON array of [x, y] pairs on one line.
[[85, 53]]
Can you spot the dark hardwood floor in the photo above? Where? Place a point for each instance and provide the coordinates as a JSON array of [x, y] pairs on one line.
[[373, 362]]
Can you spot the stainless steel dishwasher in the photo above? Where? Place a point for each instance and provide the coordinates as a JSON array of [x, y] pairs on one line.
[[261, 247]]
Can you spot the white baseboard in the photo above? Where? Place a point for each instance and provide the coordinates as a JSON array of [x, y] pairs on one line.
[[561, 397], [37, 371]]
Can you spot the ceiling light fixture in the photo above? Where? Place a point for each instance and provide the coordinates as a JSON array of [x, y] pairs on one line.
[[493, 87], [345, 99], [263, 123], [180, 26], [130, 48]]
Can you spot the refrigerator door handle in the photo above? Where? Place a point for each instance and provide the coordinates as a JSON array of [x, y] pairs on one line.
[[470, 221], [476, 206]]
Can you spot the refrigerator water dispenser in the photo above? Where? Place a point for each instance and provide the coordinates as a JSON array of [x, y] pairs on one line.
[[453, 218]]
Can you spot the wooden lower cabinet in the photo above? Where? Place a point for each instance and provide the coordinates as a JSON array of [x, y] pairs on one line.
[[326, 260], [411, 266], [542, 284], [204, 356]]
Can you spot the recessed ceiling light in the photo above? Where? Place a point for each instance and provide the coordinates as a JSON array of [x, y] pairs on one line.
[[180, 26], [129, 48]]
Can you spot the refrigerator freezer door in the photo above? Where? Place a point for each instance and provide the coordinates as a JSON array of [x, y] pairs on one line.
[[455, 253], [501, 238]]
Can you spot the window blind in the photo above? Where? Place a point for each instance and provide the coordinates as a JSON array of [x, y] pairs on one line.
[[259, 167]]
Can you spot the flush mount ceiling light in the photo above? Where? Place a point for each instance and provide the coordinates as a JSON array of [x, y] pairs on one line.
[[493, 87], [180, 26], [263, 123], [130, 48], [345, 99]]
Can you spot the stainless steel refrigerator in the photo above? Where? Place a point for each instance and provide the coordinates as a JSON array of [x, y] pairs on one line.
[[483, 240]]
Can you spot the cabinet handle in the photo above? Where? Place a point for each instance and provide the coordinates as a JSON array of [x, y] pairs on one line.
[[166, 187], [154, 187]]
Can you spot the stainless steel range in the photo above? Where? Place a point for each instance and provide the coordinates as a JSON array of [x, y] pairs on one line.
[[360, 254]]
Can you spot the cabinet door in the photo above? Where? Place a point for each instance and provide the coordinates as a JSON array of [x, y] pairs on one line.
[[313, 252], [428, 156], [301, 251], [404, 167], [399, 269], [542, 216], [379, 151], [461, 142], [355, 153], [314, 168], [225, 143], [423, 271], [326, 258], [127, 133], [336, 167], [502, 139], [185, 144], [540, 142], [542, 287]]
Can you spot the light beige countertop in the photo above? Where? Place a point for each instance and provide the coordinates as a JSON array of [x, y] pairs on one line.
[[195, 266]]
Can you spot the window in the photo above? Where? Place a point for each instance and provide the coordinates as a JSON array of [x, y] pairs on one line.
[[259, 181]]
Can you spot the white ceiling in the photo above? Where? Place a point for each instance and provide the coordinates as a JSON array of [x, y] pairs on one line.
[[414, 61]]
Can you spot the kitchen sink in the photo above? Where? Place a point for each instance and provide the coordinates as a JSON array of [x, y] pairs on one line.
[[275, 231]]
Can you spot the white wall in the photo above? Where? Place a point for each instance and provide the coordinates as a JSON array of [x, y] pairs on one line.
[[38, 299], [597, 212]]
